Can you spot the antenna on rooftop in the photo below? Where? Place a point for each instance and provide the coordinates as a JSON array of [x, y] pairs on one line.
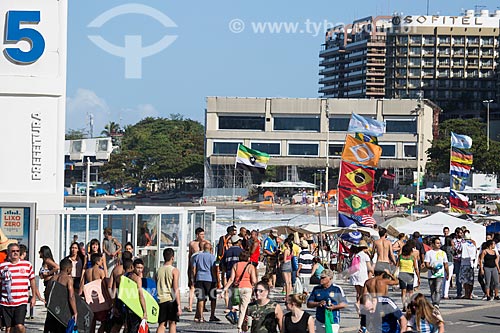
[[477, 9], [427, 7], [91, 124]]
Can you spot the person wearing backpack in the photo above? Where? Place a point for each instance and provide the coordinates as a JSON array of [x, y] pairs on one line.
[[360, 266]]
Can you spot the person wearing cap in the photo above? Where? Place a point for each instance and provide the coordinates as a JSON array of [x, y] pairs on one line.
[[223, 245], [229, 258], [327, 296], [306, 259], [359, 274], [271, 253]]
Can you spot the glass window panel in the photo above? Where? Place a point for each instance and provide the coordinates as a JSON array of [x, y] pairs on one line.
[[336, 149], [225, 148], [339, 124], [147, 229], [410, 150], [296, 124], [270, 148], [401, 126], [388, 150], [169, 230], [242, 123], [303, 149]]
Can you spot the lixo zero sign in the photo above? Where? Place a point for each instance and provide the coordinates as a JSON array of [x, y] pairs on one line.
[[14, 33]]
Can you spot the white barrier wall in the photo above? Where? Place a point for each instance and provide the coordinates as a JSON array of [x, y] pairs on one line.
[[32, 107]]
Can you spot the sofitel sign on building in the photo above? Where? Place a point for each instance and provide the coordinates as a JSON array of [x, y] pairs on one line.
[[441, 21], [32, 101]]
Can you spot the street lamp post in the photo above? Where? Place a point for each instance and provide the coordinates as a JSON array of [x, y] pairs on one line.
[[488, 102]]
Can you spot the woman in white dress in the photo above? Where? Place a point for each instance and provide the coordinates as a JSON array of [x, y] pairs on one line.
[[360, 267]]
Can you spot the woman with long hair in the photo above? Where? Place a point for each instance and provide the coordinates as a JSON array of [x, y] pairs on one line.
[[244, 277], [360, 268], [286, 267], [423, 317], [263, 315], [297, 321], [78, 261], [408, 266], [49, 266], [488, 266], [95, 247], [316, 271]]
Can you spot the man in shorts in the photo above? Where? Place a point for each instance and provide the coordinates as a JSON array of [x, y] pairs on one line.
[[16, 276], [167, 285], [385, 254], [271, 252], [195, 247], [206, 282]]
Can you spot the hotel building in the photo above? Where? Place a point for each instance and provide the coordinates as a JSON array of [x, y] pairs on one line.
[[295, 132], [451, 60]]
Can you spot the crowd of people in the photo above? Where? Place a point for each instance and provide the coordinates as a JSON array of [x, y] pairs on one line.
[[298, 271]]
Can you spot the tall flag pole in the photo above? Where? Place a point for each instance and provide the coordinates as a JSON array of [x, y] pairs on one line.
[[460, 166]]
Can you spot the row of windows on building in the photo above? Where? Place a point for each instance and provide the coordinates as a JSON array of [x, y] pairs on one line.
[[308, 149], [443, 39], [310, 124]]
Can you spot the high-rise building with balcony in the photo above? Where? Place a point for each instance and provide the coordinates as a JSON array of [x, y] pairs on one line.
[[451, 60]]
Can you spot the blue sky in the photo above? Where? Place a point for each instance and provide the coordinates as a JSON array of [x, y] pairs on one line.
[[217, 51]]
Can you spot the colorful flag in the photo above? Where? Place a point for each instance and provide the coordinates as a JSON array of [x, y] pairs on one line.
[[458, 183], [461, 141], [359, 152], [368, 221], [459, 170], [251, 159], [388, 175], [458, 200], [353, 176], [347, 221], [461, 156], [459, 210], [352, 237], [367, 138], [354, 202], [365, 125]]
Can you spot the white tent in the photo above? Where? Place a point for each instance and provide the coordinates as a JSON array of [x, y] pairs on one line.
[[434, 224]]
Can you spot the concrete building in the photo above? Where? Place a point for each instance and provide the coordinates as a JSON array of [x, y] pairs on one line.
[[451, 60], [294, 131]]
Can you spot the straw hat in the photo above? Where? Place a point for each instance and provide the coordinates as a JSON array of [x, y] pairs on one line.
[[362, 244], [4, 241]]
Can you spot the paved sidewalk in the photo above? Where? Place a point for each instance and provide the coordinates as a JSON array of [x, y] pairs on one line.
[[349, 318]]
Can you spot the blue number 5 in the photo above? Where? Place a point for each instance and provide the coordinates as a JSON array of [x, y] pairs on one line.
[[15, 34]]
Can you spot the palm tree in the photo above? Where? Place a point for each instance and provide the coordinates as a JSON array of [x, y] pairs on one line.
[[111, 129]]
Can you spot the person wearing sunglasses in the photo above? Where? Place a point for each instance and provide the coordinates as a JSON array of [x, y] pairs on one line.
[[16, 276], [263, 316], [327, 296]]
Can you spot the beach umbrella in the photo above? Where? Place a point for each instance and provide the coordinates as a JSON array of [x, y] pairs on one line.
[[403, 201]]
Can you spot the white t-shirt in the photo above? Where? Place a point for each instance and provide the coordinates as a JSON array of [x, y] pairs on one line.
[[359, 278], [436, 259], [469, 254]]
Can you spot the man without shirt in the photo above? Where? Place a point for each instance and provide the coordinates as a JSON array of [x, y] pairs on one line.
[[133, 320], [92, 274], [195, 247], [379, 285], [64, 277], [385, 255]]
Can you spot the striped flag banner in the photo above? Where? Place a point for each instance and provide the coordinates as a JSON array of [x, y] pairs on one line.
[[368, 221]]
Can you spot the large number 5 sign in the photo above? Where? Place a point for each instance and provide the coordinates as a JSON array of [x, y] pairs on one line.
[[14, 33]]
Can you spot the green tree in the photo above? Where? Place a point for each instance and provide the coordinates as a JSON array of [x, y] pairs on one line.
[[111, 129], [484, 161], [76, 134], [159, 148]]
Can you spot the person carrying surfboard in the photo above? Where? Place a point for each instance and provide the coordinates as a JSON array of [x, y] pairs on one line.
[[133, 320], [64, 278], [168, 293], [96, 273]]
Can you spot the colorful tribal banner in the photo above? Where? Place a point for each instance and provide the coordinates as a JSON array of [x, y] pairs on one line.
[[460, 166], [354, 202], [359, 152]]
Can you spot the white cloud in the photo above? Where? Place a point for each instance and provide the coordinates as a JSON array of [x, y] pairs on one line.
[[86, 102]]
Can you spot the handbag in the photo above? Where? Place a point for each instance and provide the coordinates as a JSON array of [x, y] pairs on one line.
[[143, 328], [235, 294]]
